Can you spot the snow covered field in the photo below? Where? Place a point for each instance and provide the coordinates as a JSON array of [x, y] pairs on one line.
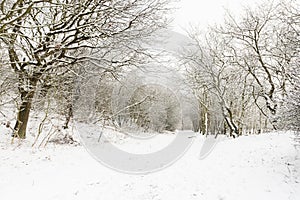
[[250, 167]]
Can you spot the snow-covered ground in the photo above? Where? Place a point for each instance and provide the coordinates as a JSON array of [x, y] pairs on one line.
[[250, 167]]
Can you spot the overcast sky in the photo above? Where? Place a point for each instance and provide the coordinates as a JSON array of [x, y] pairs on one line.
[[204, 12]]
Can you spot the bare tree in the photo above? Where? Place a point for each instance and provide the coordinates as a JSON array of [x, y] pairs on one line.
[[249, 63], [287, 55], [214, 80], [252, 41], [44, 37]]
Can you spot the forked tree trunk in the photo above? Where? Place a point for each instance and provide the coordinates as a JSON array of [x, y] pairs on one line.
[[24, 111]]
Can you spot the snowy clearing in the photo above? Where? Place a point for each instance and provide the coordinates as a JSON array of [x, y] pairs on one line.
[[250, 167]]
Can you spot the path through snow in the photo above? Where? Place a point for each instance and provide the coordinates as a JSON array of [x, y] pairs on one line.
[[250, 167]]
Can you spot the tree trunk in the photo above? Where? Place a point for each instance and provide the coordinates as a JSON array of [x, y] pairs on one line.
[[24, 110], [234, 130], [69, 115], [203, 106]]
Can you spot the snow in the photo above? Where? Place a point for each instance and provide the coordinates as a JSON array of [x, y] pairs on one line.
[[249, 167]]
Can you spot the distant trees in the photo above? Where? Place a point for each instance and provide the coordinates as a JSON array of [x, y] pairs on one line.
[[154, 108], [47, 39], [244, 68]]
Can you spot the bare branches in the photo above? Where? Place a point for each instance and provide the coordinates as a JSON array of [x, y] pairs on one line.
[[47, 37], [246, 64]]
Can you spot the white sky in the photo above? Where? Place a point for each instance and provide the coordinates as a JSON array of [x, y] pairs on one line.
[[204, 12]]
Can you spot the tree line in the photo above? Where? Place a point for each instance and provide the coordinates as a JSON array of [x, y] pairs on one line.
[[244, 73]]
